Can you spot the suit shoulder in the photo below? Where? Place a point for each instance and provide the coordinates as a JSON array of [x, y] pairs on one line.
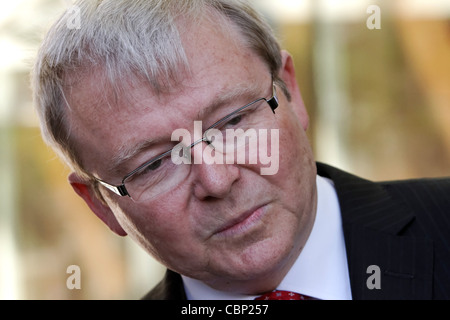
[[157, 293], [440, 181], [169, 288], [434, 190], [429, 199]]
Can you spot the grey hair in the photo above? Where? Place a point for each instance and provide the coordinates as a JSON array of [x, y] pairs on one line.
[[126, 38]]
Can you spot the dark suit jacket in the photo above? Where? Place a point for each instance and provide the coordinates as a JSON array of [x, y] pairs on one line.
[[403, 227]]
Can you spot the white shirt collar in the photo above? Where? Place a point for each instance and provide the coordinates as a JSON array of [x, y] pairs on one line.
[[320, 271]]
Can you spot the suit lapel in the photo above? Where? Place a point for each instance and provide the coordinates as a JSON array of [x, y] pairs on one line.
[[382, 263], [403, 265]]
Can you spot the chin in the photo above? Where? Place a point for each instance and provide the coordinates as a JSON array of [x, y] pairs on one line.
[[257, 268]]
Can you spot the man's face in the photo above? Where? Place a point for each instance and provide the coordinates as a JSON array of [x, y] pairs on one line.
[[225, 224]]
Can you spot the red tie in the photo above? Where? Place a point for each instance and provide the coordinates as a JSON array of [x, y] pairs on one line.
[[283, 295]]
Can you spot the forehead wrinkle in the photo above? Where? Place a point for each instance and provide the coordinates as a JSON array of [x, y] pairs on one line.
[[226, 96]]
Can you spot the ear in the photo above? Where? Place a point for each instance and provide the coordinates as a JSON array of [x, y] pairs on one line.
[[86, 192], [287, 74]]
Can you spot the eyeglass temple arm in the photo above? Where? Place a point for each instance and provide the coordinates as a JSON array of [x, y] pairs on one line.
[[119, 190], [273, 102]]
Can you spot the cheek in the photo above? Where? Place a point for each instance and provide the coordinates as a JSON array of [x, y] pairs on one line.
[[164, 230], [297, 168]]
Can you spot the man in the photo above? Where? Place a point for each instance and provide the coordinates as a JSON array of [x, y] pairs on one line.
[[112, 94]]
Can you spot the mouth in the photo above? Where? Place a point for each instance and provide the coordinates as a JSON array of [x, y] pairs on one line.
[[242, 223]]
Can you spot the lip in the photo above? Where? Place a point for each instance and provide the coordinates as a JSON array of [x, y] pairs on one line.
[[242, 223]]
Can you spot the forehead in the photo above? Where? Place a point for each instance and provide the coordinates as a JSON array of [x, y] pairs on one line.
[[105, 119]]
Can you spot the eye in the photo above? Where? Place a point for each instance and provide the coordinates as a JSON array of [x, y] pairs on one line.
[[153, 166], [149, 169], [234, 121]]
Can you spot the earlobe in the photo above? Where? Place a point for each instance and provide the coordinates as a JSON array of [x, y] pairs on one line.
[[85, 191], [287, 74]]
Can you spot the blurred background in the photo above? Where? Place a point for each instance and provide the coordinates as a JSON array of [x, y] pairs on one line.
[[375, 80]]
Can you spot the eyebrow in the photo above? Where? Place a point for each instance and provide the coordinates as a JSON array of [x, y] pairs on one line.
[[224, 97]]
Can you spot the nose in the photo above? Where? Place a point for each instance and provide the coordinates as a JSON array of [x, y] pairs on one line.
[[213, 177]]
